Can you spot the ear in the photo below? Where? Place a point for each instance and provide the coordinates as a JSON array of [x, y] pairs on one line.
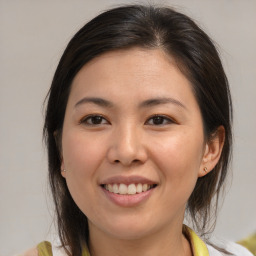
[[212, 151], [62, 168]]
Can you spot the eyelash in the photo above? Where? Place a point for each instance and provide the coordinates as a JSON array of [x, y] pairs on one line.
[[163, 118], [85, 120]]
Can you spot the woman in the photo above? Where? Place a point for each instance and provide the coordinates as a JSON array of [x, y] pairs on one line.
[[138, 130]]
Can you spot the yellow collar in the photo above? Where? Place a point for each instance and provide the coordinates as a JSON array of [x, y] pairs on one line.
[[199, 248]]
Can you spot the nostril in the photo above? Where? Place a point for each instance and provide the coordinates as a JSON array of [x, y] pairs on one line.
[[131, 162]]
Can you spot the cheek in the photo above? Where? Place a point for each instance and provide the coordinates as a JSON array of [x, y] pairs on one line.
[[179, 158], [179, 152], [81, 154], [179, 164]]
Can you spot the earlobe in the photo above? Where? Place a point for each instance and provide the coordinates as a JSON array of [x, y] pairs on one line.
[[62, 168], [63, 173], [212, 152]]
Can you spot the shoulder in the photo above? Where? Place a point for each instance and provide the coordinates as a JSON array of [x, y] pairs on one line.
[[234, 248]]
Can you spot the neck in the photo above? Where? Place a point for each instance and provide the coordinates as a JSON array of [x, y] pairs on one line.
[[166, 243]]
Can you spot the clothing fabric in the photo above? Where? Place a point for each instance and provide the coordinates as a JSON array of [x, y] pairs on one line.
[[199, 248], [234, 248]]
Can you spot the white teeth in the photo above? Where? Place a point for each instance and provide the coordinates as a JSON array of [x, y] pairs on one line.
[[123, 189], [139, 188], [145, 187], [130, 189], [115, 189], [110, 187]]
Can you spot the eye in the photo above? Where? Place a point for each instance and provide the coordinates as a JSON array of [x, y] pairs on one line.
[[94, 120], [159, 120]]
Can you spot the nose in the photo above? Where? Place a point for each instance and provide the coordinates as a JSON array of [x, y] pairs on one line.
[[127, 146]]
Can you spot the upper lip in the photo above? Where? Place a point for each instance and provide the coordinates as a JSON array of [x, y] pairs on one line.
[[127, 180]]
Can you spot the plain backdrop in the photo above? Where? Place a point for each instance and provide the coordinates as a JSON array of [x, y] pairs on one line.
[[33, 35]]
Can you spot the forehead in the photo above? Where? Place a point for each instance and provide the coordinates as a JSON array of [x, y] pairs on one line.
[[135, 69], [130, 55]]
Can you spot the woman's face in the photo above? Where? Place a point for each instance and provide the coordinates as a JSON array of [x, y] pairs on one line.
[[132, 143]]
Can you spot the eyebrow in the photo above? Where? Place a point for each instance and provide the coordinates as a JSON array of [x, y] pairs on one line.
[[147, 103], [159, 101], [94, 100]]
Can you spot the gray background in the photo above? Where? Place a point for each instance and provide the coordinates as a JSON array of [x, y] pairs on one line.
[[33, 35]]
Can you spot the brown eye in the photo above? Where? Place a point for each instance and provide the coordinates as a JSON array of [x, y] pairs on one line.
[[159, 120], [94, 120]]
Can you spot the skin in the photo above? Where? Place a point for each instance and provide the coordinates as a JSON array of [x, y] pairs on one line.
[[127, 141]]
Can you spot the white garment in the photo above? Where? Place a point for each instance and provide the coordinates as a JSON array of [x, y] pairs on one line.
[[58, 251], [231, 247]]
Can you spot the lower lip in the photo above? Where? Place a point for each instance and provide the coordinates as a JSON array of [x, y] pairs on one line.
[[128, 200]]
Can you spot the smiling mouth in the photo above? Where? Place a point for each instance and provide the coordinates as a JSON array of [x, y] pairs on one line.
[[131, 189]]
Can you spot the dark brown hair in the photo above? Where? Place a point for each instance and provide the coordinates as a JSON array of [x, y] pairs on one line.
[[147, 27]]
